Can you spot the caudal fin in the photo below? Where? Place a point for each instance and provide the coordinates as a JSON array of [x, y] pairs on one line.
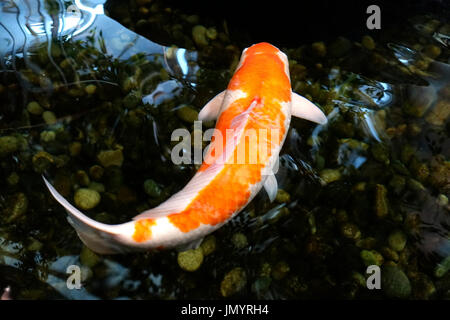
[[99, 237]]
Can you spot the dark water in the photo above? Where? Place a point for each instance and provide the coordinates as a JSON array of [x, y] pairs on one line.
[[89, 100]]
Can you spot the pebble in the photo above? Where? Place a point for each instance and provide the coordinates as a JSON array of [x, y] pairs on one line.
[[395, 283], [371, 257], [239, 240], [34, 108], [368, 42], [199, 36], [110, 158], [330, 175], [209, 245], [86, 199], [49, 117], [233, 282], [8, 144], [381, 204], [152, 189], [190, 260], [90, 89], [397, 240]]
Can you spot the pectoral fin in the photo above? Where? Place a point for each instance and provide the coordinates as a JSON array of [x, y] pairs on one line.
[[271, 186], [305, 109], [211, 110], [190, 245]]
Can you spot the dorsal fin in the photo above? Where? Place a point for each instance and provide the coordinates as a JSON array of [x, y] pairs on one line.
[[305, 109], [211, 110]]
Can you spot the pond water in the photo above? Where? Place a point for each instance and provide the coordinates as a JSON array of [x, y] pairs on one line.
[[88, 99]]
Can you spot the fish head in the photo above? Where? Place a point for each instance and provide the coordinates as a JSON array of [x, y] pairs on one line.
[[264, 48]]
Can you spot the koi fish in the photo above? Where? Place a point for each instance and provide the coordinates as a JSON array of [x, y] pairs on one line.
[[259, 96]]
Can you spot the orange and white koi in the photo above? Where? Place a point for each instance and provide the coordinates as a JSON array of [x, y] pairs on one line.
[[258, 97]]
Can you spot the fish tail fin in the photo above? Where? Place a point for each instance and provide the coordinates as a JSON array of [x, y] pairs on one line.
[[99, 237]]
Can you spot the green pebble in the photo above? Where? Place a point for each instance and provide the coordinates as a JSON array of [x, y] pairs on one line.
[[359, 279], [397, 183], [110, 158], [280, 270], [440, 113], [397, 240], [34, 108], [442, 268], [389, 254], [86, 199], [380, 153], [99, 187], [433, 51], [233, 282], [129, 84], [319, 48], [192, 19], [211, 33], [42, 161], [13, 179], [442, 200], [330, 175], [90, 89], [199, 36], [209, 245], [152, 189], [88, 257], [48, 136], [282, 196], [395, 283], [49, 117], [340, 47], [190, 260], [368, 42], [187, 114], [239, 240], [415, 185], [132, 99], [17, 206], [350, 231], [381, 201], [371, 257], [8, 144], [82, 178], [96, 172], [35, 245], [366, 243], [75, 148]]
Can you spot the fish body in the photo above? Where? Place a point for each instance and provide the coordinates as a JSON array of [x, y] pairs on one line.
[[258, 100]]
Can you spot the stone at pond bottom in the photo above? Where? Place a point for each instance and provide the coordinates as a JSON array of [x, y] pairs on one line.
[[86, 199], [395, 283], [397, 240], [381, 203], [8, 144], [190, 260], [208, 245], [233, 282], [110, 158]]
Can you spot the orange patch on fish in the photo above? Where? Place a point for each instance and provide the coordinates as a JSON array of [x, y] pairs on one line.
[[143, 230]]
